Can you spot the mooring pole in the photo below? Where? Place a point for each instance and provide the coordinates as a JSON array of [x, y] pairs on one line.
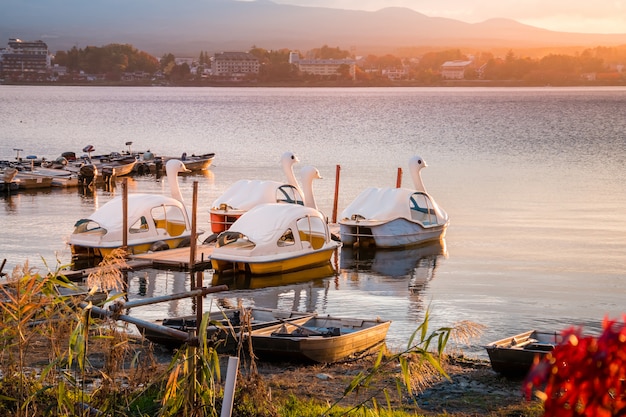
[[399, 178], [192, 242], [337, 174], [125, 214]]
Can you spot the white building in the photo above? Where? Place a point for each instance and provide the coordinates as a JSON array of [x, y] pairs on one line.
[[24, 58], [235, 65], [322, 67], [454, 70]]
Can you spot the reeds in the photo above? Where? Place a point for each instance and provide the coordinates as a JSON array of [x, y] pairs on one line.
[[59, 359]]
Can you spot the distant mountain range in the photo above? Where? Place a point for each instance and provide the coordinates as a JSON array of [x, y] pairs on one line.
[[190, 26]]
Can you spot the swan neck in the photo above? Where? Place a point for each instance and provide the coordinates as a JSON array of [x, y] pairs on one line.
[[417, 180]]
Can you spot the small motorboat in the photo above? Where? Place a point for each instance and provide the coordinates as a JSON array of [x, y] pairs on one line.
[[274, 238], [225, 326], [114, 164], [155, 222], [319, 339], [246, 194], [513, 356], [394, 217], [198, 162]]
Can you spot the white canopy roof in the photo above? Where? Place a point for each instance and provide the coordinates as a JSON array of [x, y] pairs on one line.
[[384, 204], [110, 215], [267, 222], [245, 194]]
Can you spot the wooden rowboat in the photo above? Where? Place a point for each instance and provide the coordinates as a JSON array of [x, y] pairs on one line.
[[513, 356], [319, 339]]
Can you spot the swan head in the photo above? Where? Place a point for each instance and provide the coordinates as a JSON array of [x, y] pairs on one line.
[[417, 163], [310, 173], [289, 159], [174, 166]]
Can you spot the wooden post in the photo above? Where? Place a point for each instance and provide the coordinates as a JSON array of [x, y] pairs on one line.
[[192, 242], [337, 174], [125, 214], [197, 283], [399, 178]]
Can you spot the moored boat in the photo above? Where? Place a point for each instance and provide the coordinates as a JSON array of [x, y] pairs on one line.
[[155, 222], [225, 326], [394, 217], [243, 195], [198, 162], [514, 356], [274, 238], [319, 339]]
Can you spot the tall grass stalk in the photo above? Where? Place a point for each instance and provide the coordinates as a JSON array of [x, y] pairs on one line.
[[191, 390]]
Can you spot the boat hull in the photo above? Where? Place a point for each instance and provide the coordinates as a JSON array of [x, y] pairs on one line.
[[514, 356], [268, 265], [347, 338], [393, 234], [85, 251]]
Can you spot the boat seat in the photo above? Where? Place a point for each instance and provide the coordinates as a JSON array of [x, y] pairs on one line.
[[316, 241], [172, 228]]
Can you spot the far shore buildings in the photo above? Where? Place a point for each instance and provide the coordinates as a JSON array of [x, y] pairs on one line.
[[25, 59]]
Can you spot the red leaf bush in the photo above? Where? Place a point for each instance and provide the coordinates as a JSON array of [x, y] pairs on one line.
[[583, 375]]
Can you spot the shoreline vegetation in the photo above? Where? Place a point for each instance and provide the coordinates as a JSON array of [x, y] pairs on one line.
[[59, 358], [124, 65]]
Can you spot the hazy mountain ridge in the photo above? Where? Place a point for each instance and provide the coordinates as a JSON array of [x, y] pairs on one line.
[[160, 26]]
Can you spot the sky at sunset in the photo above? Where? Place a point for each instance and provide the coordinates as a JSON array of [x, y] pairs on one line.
[[581, 16]]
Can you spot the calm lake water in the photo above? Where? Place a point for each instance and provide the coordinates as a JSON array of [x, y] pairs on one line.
[[533, 180]]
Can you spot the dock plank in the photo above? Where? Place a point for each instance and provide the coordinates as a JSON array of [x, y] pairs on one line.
[[178, 257]]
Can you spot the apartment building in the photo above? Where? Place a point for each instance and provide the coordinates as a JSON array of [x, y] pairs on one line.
[[322, 67], [24, 58], [454, 70], [235, 65]]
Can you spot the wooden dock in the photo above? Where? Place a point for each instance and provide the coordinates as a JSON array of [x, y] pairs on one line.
[[168, 259], [178, 258]]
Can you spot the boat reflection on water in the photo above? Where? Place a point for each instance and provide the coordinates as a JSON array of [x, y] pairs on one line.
[[418, 263], [243, 281]]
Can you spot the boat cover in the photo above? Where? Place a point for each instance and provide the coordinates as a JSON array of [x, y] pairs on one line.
[[110, 217], [265, 224], [245, 194], [385, 204]]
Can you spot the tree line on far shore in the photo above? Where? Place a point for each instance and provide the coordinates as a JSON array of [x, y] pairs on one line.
[[602, 64]]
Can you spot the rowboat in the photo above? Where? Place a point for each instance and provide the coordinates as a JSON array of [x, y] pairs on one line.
[[319, 339], [273, 239], [513, 356], [394, 217], [225, 326]]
